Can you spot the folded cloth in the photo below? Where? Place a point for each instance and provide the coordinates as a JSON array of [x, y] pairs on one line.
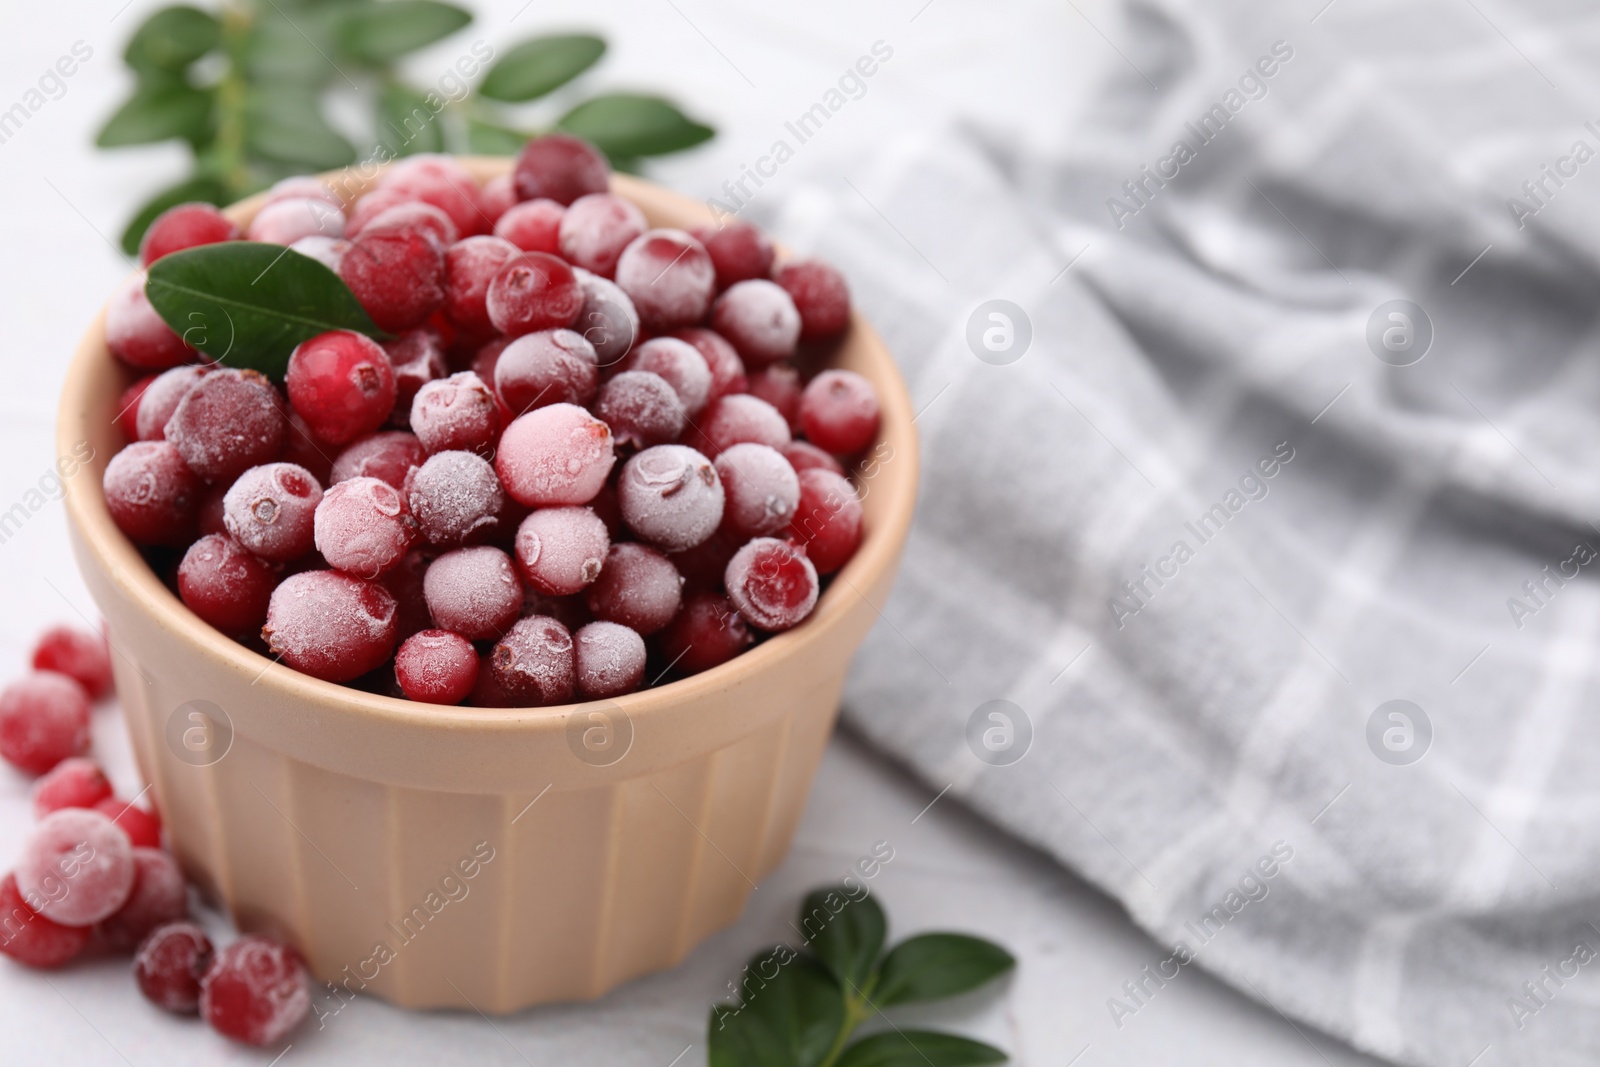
[[1276, 536]]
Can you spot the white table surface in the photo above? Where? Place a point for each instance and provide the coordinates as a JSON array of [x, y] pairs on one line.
[[61, 203]]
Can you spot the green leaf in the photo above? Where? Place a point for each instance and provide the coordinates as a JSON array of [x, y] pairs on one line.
[[290, 50], [791, 1013], [487, 139], [406, 123], [171, 39], [207, 189], [741, 1039], [931, 966], [248, 305], [918, 1048], [538, 66], [623, 125], [383, 32], [159, 112], [286, 124], [845, 934]]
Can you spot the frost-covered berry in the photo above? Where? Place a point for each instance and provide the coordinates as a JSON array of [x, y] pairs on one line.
[[302, 187], [74, 783], [436, 667], [669, 277], [363, 527], [779, 385], [641, 408], [283, 222], [398, 277], [533, 663], [330, 625], [609, 660], [469, 267], [457, 413], [415, 217], [255, 991], [680, 364], [162, 398], [738, 250], [839, 412], [128, 406], [342, 384], [595, 230], [79, 654], [820, 295], [169, 965], [160, 896], [229, 421], [416, 358], [184, 226], [804, 456], [560, 167], [455, 498], [727, 369], [387, 456], [76, 867], [497, 197], [671, 496], [30, 938], [137, 335], [559, 454], [761, 490], [142, 826], [760, 320], [152, 494], [271, 510], [738, 418], [473, 592], [707, 632], [607, 320], [828, 519], [772, 584], [535, 291], [638, 587], [561, 550], [533, 226], [226, 585], [443, 182], [546, 367]]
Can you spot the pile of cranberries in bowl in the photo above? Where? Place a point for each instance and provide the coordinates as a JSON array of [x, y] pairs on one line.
[[586, 455]]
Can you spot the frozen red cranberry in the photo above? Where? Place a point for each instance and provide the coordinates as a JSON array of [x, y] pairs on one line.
[[330, 625], [641, 408], [738, 250], [44, 719], [535, 291], [363, 527], [839, 412], [668, 276], [559, 454], [142, 826], [469, 267], [820, 295], [547, 367], [533, 663], [283, 222], [255, 991], [128, 406], [607, 320], [561, 550], [779, 385], [638, 587], [30, 938], [804, 456], [185, 226], [387, 457], [455, 498], [671, 496], [609, 660], [162, 398], [301, 187], [371, 205], [74, 783], [79, 654], [827, 521], [137, 335], [595, 230], [737, 418], [772, 584], [707, 632], [342, 384], [398, 276], [533, 226], [497, 197], [169, 965], [436, 667], [228, 422], [417, 217], [727, 369], [442, 182], [405, 585], [159, 896], [152, 494], [473, 592], [76, 867], [457, 413], [226, 585], [761, 490], [271, 509], [416, 358], [329, 251], [681, 365], [560, 167], [760, 319]]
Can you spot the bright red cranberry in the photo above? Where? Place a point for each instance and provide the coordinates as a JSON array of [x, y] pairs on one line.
[[760, 319], [680, 364], [820, 295], [442, 182], [162, 398], [638, 587], [387, 456], [559, 454], [671, 496], [169, 965], [727, 369], [79, 654], [560, 167], [416, 358], [737, 418], [76, 867], [30, 938], [226, 585], [609, 660], [436, 667], [706, 633], [608, 320], [547, 367], [184, 226], [473, 592], [779, 385], [772, 584], [342, 384], [405, 584], [74, 783], [142, 826], [137, 335], [271, 509], [761, 490], [738, 250], [255, 991], [128, 407], [398, 277], [828, 519], [595, 230], [804, 456], [668, 276], [533, 226], [561, 550], [497, 197], [641, 408], [363, 527], [469, 267], [229, 421], [533, 663], [160, 896], [152, 494], [839, 412], [283, 222], [535, 291], [44, 719], [455, 498], [330, 625], [457, 413], [414, 217]]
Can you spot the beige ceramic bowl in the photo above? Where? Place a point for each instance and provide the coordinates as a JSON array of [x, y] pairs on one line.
[[447, 857]]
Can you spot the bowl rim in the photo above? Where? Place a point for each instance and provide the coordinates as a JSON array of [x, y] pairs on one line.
[[126, 568]]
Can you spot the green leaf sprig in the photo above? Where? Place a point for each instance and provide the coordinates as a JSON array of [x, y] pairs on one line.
[[800, 1008]]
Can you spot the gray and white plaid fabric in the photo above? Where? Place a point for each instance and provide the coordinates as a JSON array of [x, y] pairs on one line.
[[1219, 514]]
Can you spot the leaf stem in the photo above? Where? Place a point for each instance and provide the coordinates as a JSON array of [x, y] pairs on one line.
[[857, 1010]]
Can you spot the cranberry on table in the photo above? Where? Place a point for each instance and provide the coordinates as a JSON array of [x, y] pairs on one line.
[[226, 585], [641, 408], [166, 391], [546, 367], [668, 276], [271, 510], [839, 412], [363, 527], [137, 335], [160, 896], [455, 498], [81, 655], [142, 826], [760, 489], [561, 550], [184, 226], [772, 584], [255, 991], [828, 519], [457, 413], [76, 867], [170, 964], [387, 456], [473, 592], [607, 320], [609, 660], [804, 456], [727, 369], [534, 291], [330, 625], [533, 226], [397, 276], [436, 667], [706, 633], [681, 365], [738, 250], [779, 385], [560, 167], [283, 222], [736, 419], [760, 320], [416, 358], [229, 421], [44, 719], [30, 938], [559, 454], [820, 295], [469, 267], [533, 663], [671, 496], [74, 783], [595, 230], [342, 384], [638, 586]]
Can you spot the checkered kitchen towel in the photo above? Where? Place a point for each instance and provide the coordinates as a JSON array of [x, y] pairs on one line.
[[1293, 586]]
